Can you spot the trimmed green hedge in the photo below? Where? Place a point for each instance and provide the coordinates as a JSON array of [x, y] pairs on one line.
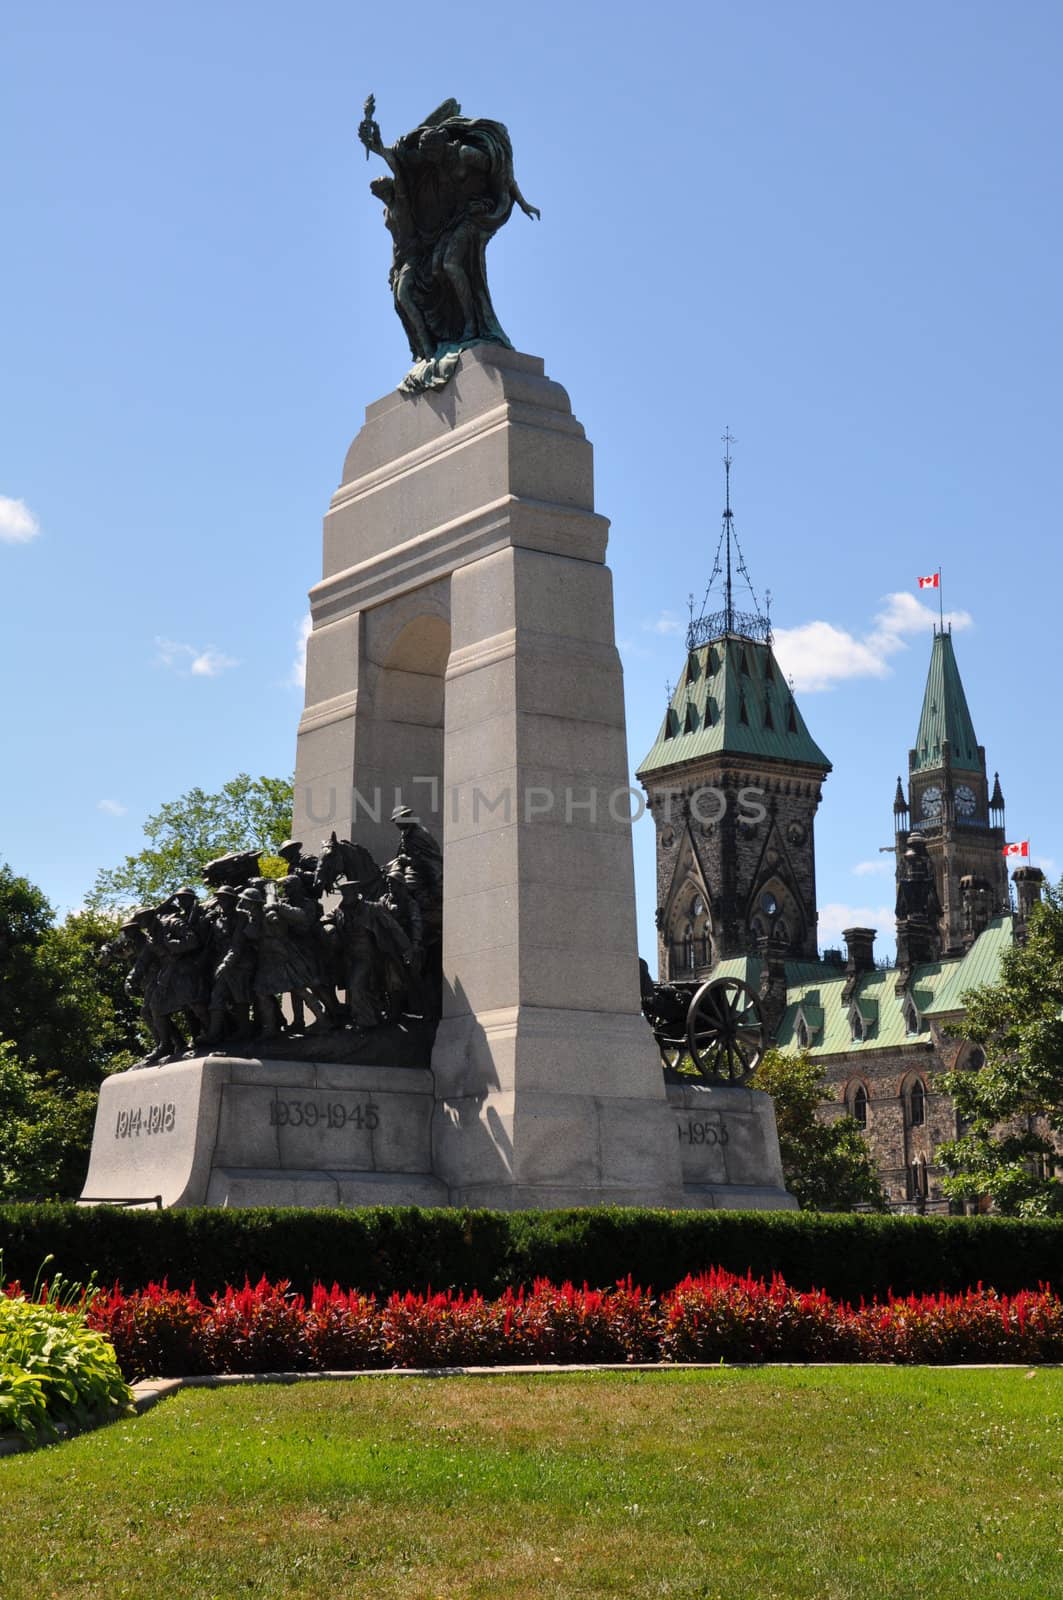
[[382, 1248]]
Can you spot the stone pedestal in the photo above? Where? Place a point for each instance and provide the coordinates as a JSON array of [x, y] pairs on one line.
[[463, 661], [228, 1132], [729, 1148], [218, 1131]]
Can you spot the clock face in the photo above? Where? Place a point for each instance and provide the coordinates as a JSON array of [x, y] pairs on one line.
[[931, 801], [966, 800]]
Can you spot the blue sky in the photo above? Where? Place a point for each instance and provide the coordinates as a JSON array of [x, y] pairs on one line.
[[835, 228]]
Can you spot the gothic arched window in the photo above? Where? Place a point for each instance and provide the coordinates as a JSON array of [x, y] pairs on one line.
[[917, 1104], [859, 1105]]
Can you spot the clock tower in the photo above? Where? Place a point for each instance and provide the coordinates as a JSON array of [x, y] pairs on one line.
[[951, 808]]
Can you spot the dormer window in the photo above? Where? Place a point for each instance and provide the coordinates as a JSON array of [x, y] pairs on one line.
[[791, 719], [769, 720], [743, 715], [690, 722], [863, 1018], [913, 1023], [808, 1024]]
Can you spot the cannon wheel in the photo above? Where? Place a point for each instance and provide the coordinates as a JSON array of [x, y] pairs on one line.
[[725, 1030]]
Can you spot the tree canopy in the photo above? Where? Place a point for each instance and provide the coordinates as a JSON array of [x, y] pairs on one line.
[[186, 833], [65, 1022], [828, 1165], [1012, 1104], [65, 1018]]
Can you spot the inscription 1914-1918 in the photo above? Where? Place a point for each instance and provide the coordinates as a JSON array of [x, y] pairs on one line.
[[702, 1132], [160, 1118], [334, 1115]]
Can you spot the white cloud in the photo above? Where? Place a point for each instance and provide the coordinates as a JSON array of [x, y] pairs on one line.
[[666, 622], [189, 660], [18, 525], [297, 676], [818, 655], [113, 808], [208, 663], [869, 869], [836, 916]]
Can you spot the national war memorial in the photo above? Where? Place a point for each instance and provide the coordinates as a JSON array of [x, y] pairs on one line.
[[440, 1002]]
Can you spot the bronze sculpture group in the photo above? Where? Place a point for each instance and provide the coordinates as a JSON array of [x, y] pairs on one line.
[[213, 975], [451, 187]]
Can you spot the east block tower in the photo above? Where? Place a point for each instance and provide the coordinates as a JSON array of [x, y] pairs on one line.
[[733, 781]]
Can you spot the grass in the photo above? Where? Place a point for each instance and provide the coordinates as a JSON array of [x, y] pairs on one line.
[[748, 1485]]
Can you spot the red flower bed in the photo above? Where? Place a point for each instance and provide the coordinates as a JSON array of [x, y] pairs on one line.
[[714, 1316]]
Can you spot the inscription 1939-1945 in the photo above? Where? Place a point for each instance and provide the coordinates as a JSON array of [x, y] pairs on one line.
[[159, 1118], [334, 1115], [702, 1132]]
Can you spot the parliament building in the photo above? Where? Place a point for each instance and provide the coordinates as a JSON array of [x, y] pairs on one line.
[[733, 781]]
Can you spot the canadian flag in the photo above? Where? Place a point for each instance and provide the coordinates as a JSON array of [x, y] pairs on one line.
[[1020, 849], [933, 582]]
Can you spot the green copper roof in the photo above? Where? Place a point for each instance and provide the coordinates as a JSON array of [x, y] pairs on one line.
[[945, 714], [732, 699], [980, 965], [814, 992]]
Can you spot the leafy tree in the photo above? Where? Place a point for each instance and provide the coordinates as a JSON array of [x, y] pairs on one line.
[[1013, 1103], [186, 833], [68, 1018], [45, 1133], [828, 1165], [65, 1022], [65, 1019]]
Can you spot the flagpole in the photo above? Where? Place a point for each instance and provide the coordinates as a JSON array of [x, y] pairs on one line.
[[941, 602]]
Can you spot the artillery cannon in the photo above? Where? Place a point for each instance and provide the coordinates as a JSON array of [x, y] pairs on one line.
[[717, 1023]]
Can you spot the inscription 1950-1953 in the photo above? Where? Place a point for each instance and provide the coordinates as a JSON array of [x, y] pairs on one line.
[[159, 1118], [702, 1132], [334, 1115]]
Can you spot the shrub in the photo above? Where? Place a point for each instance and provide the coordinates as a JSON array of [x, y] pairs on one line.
[[712, 1316], [54, 1368], [386, 1250]]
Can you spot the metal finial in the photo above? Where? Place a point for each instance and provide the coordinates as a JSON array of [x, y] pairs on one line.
[[749, 625], [728, 514]]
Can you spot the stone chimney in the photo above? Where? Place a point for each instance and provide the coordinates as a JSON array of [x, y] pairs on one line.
[[860, 957], [1028, 882], [772, 994]]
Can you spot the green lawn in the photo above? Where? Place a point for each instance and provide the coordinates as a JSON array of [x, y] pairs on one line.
[[863, 1482]]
